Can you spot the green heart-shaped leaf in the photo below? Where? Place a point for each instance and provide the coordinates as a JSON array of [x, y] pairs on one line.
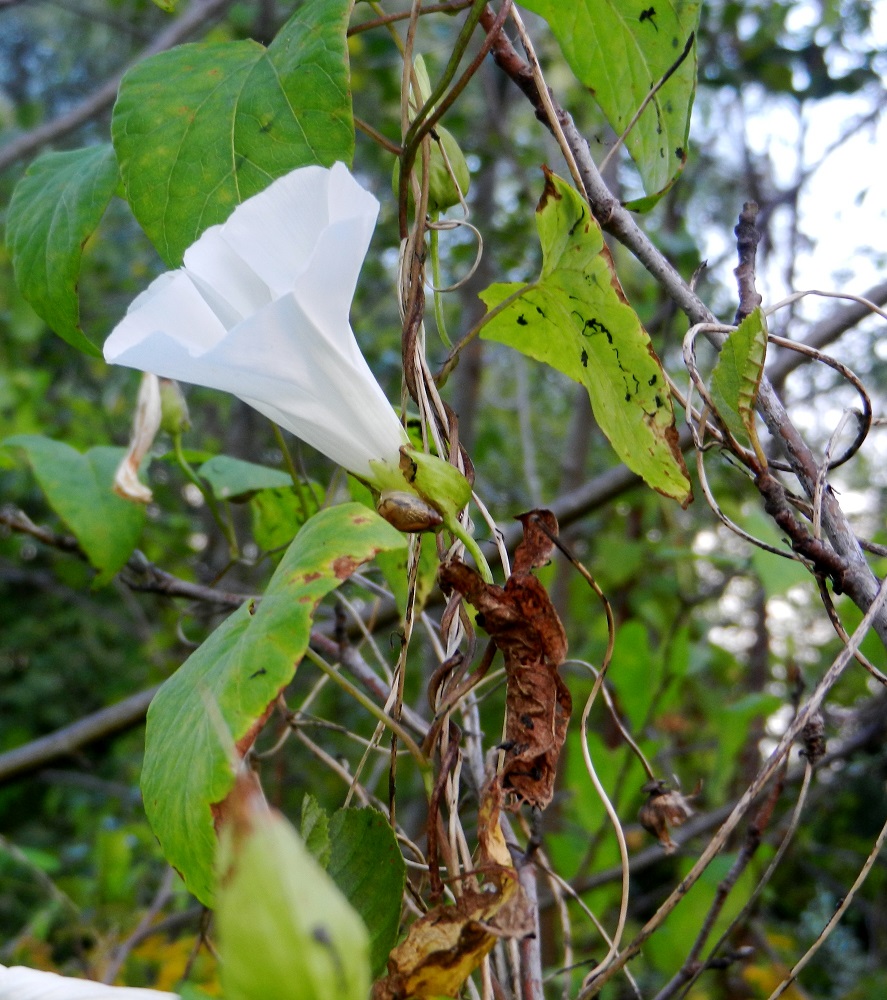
[[79, 488], [55, 208], [203, 127]]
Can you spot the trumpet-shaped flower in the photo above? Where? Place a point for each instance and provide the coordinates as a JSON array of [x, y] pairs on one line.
[[261, 309]]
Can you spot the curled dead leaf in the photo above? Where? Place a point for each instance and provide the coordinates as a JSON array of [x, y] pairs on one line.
[[445, 946], [665, 807], [523, 623]]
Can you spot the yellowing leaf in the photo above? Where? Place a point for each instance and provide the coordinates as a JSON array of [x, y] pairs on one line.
[[444, 947], [576, 319], [241, 668]]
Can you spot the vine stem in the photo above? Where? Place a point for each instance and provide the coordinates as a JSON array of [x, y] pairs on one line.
[[594, 985], [207, 494], [367, 703], [836, 916]]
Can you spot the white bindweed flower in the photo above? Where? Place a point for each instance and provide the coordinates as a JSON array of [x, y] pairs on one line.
[[260, 309], [20, 983]]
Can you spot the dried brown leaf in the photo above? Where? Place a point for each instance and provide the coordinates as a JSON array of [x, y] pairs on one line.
[[522, 621]]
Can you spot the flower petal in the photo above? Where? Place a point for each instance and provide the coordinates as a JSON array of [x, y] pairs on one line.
[[171, 305], [282, 364], [228, 284], [20, 983], [276, 231], [326, 396]]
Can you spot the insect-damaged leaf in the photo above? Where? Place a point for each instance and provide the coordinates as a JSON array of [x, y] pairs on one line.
[[737, 375], [524, 624], [575, 318], [620, 50], [445, 946]]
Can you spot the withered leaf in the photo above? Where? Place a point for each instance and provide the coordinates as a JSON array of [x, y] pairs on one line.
[[522, 621], [445, 946], [665, 807]]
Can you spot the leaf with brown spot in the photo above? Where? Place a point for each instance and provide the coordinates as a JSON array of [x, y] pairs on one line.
[[575, 318], [232, 680], [522, 621]]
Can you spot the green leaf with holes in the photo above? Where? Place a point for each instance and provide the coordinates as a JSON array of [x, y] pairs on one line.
[[202, 127], [737, 376], [54, 210], [576, 318], [620, 50], [80, 489], [225, 690]]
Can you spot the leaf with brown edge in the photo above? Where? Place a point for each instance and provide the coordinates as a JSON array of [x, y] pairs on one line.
[[229, 685], [575, 318], [522, 621]]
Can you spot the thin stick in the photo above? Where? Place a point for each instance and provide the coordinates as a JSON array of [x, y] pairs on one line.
[[774, 761], [836, 916]]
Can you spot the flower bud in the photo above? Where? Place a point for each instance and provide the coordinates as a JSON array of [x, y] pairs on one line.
[[408, 512], [174, 416]]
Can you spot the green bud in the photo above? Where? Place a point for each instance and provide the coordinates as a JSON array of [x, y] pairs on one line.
[[437, 482], [174, 416], [443, 188]]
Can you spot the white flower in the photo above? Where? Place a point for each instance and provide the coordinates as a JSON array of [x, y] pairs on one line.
[[260, 309], [19, 983]]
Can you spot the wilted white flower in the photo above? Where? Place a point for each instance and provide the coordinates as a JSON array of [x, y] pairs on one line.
[[20, 983], [145, 425], [260, 309]]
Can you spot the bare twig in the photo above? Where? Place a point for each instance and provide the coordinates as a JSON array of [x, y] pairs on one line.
[[747, 239], [836, 916], [161, 897], [200, 13], [774, 762], [99, 725], [138, 574], [828, 329]]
